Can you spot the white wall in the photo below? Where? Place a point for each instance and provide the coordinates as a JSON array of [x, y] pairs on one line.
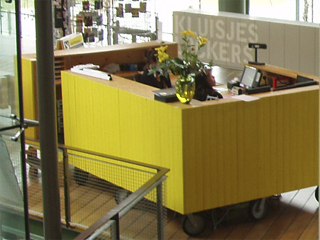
[[291, 45]]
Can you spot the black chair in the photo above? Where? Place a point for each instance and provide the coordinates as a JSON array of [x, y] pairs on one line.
[[137, 77]]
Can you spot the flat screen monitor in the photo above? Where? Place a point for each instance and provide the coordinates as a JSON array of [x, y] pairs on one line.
[[250, 77]]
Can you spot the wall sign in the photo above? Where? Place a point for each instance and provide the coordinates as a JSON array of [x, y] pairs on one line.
[[291, 45]]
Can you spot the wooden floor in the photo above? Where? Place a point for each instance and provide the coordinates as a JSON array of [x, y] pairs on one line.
[[292, 216]]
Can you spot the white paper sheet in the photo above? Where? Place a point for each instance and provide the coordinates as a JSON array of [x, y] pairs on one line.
[[245, 98]]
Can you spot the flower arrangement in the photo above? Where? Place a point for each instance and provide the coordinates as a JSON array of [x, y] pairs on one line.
[[189, 63]]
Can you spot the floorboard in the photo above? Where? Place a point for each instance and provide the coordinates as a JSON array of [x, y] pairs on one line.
[[292, 216]]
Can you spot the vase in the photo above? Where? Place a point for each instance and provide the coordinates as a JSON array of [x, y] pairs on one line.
[[185, 88]]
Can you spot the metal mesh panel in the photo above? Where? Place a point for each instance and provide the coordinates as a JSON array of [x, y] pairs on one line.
[[90, 187], [95, 186], [92, 196], [141, 222], [34, 180]]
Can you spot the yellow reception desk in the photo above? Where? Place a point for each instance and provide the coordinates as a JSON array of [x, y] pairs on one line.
[[65, 59], [219, 152]]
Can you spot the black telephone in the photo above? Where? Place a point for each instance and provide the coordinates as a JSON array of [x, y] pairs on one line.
[[233, 83]]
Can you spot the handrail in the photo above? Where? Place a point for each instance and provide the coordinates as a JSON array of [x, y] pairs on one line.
[[22, 124], [63, 146], [118, 211], [122, 208]]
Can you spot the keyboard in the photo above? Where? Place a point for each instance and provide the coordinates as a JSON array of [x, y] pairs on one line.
[[300, 84]]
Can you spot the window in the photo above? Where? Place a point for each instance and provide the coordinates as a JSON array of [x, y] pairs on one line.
[[293, 10]]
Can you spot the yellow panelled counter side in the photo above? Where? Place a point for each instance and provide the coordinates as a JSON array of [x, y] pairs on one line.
[[133, 53], [219, 152]]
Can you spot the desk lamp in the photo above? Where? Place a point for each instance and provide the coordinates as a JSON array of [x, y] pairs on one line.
[[257, 46]]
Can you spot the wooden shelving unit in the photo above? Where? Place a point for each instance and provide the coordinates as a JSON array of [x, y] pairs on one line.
[[134, 19], [65, 59], [115, 21]]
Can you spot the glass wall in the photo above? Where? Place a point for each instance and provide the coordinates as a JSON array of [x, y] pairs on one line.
[[12, 220], [296, 10], [293, 10], [8, 27], [8, 102], [280, 9]]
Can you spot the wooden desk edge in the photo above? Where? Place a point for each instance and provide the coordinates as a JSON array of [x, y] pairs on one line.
[[145, 91], [283, 71]]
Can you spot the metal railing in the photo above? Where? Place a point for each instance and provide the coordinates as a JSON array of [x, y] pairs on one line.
[[99, 193]]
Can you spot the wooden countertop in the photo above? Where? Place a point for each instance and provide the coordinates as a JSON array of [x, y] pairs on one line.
[[274, 70], [146, 91], [103, 49]]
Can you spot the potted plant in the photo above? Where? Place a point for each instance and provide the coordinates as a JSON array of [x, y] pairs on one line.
[[186, 67]]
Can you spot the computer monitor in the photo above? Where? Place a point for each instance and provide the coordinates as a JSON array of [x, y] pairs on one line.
[[250, 77], [301, 79]]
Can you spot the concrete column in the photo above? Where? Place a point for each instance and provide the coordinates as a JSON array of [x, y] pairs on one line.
[[47, 119]]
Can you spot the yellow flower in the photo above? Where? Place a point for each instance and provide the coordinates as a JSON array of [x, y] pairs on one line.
[[162, 55], [202, 40], [188, 33], [162, 48], [188, 63]]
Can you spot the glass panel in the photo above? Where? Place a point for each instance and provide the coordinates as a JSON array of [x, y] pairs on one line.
[[12, 220], [8, 102], [11, 197], [309, 11], [278, 9], [300, 10]]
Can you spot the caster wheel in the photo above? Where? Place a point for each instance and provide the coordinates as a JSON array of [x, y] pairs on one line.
[[80, 176], [258, 209], [193, 224], [316, 194], [121, 194]]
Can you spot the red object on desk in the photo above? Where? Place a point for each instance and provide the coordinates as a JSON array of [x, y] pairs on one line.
[[274, 83]]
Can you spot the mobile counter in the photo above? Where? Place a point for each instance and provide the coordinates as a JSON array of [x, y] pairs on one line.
[[219, 152], [121, 54]]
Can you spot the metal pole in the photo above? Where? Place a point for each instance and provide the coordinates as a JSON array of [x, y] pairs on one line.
[[21, 113], [109, 20], [0, 19], [47, 119], [297, 10], [9, 21], [66, 187], [116, 227], [247, 7], [160, 225]]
